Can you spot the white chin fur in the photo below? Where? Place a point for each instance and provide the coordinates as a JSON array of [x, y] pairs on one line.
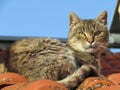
[[90, 50], [82, 48]]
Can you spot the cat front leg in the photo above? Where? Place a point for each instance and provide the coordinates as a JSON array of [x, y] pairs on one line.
[[3, 68], [78, 76]]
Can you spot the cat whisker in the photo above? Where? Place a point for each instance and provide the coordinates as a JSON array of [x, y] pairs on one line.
[[105, 49]]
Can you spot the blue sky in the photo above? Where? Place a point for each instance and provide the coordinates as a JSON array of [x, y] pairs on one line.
[[48, 18]]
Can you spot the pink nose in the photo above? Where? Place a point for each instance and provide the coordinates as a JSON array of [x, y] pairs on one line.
[[90, 41]]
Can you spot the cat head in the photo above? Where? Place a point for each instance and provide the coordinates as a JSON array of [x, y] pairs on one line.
[[88, 35]]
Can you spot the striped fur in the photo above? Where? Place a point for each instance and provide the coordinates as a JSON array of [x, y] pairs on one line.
[[67, 63]]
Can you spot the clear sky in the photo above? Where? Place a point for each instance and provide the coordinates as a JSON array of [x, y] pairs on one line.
[[48, 18]]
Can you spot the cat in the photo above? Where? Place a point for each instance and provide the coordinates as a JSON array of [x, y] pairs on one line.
[[67, 63]]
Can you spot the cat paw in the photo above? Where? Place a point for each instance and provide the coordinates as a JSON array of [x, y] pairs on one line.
[[90, 70], [3, 68]]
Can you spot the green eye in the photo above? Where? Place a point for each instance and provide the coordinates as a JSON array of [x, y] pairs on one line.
[[80, 36], [97, 33]]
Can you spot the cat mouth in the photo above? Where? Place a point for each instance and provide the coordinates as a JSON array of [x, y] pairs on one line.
[[90, 48]]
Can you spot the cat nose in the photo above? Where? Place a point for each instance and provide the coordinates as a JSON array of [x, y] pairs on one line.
[[90, 41], [91, 44]]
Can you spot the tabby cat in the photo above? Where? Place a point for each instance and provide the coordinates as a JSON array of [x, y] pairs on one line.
[[67, 63]]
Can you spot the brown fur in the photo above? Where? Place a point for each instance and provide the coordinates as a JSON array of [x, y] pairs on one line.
[[68, 63]]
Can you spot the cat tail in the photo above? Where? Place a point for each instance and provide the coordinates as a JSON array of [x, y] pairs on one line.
[[78, 76]]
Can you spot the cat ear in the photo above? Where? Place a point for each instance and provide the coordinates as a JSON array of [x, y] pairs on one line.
[[102, 18], [73, 19]]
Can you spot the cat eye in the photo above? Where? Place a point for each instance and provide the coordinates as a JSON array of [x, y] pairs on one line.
[[97, 33], [80, 36]]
